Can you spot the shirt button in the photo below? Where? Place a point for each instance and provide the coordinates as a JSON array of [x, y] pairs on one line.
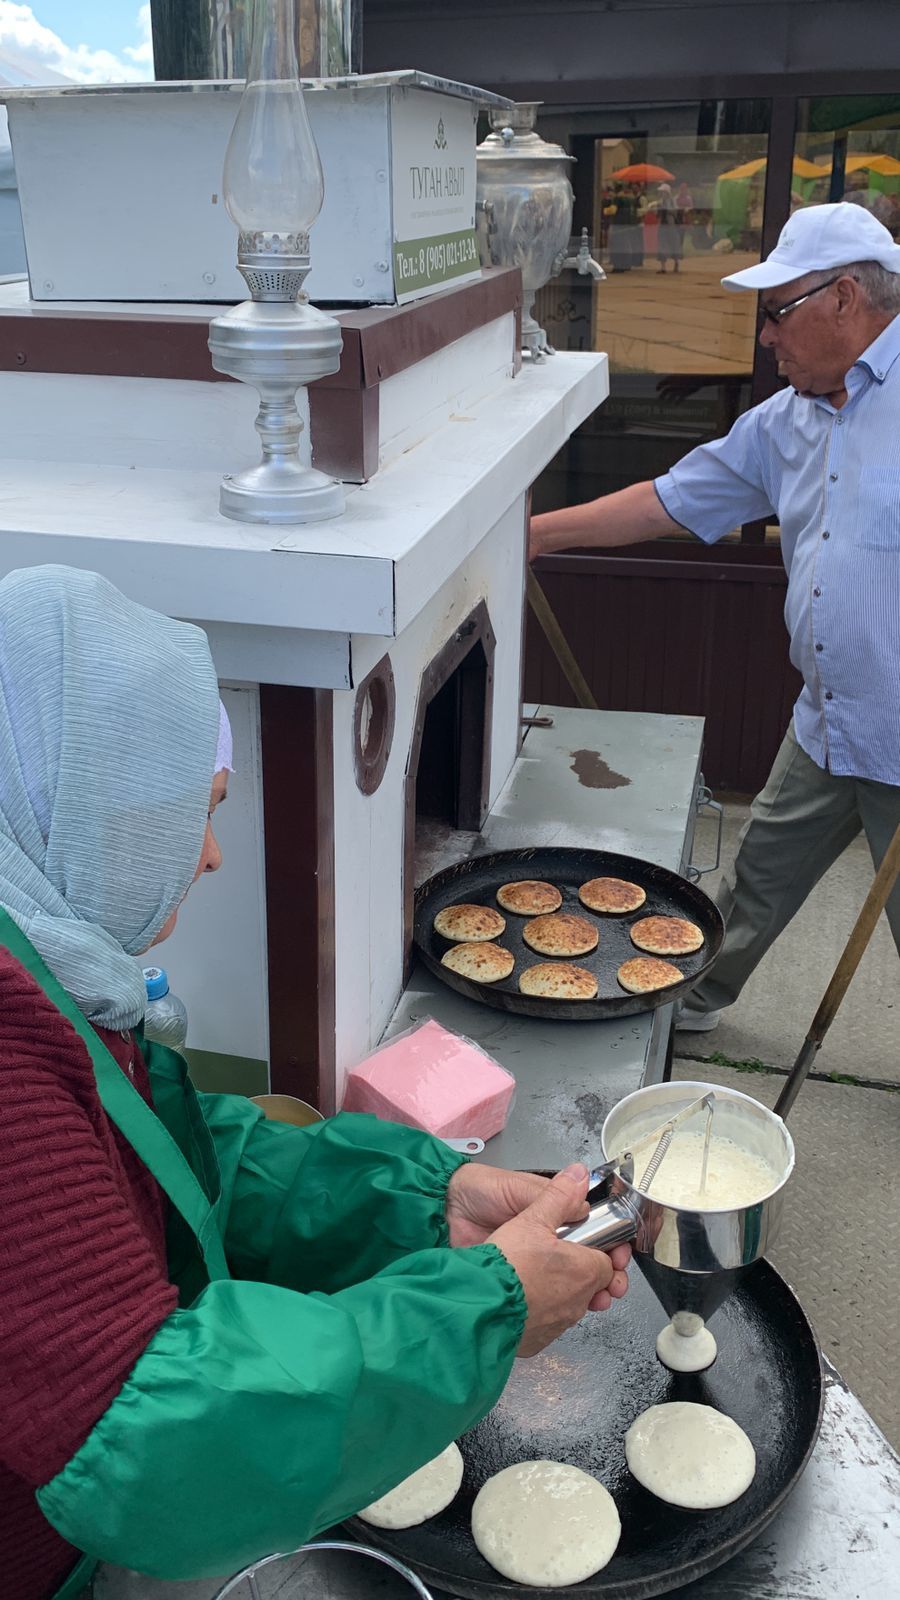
[[839, 421], [828, 695], [833, 476], [816, 593], [820, 647], [826, 534]]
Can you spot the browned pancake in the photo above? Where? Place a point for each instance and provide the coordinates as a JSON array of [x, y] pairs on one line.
[[562, 934], [643, 973], [483, 963], [467, 922], [529, 897], [666, 936], [559, 980], [611, 896]]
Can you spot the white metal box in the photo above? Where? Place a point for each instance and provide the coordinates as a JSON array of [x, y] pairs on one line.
[[120, 189]]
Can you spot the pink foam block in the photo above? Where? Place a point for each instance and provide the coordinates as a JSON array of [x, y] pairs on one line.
[[434, 1080]]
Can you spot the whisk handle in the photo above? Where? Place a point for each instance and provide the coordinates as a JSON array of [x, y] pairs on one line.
[[611, 1223]]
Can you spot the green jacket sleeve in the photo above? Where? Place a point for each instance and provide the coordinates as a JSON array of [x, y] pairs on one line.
[[260, 1416], [326, 1206]]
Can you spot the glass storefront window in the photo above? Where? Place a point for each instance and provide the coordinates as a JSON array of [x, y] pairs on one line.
[[847, 147], [672, 198]]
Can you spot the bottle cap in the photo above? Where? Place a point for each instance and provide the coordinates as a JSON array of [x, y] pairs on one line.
[[157, 981]]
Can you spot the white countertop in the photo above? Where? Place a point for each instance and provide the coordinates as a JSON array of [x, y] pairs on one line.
[[158, 533]]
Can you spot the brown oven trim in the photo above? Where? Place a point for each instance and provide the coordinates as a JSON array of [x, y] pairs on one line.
[[475, 777], [379, 341], [298, 821], [370, 762]]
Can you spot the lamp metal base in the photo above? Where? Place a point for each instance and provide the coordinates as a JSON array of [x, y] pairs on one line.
[[263, 495]]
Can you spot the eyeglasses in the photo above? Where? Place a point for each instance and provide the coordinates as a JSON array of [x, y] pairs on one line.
[[774, 314]]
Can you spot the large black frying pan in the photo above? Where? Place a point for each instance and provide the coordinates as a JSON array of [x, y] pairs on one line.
[[478, 880], [575, 1403]]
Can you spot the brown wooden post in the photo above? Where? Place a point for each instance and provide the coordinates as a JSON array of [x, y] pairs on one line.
[[298, 816]]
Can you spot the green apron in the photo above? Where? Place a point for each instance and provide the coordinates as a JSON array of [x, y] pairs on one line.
[[174, 1143], [275, 1401]]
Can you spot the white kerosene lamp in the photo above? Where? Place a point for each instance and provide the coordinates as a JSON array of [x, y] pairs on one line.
[[273, 189]]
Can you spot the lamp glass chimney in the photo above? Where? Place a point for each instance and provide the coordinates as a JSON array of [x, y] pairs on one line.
[[273, 176]]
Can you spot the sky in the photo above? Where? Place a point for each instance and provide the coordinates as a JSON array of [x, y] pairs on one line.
[[89, 41]]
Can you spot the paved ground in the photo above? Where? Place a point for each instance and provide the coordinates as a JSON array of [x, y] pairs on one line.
[[840, 1240], [684, 322]]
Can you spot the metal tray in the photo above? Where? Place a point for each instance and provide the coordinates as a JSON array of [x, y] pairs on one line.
[[478, 880], [575, 1402]]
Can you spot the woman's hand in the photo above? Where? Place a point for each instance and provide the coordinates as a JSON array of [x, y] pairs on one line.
[[561, 1281], [480, 1199]]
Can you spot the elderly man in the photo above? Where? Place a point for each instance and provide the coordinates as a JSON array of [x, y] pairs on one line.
[[824, 455]]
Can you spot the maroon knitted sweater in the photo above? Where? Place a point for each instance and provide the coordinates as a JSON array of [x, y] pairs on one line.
[[83, 1283]]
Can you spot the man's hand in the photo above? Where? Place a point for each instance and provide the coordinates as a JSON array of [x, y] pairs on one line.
[[561, 1281], [480, 1199], [540, 535]]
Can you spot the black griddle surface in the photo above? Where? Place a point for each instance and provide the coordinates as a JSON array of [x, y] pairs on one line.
[[478, 879], [575, 1402]]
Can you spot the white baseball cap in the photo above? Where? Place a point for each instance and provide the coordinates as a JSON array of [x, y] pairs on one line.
[[817, 238]]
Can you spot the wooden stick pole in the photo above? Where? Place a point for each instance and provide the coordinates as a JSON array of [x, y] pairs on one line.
[[558, 643], [873, 905]]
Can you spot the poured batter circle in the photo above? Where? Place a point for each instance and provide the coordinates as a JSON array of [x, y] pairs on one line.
[[423, 1494], [690, 1455], [691, 1351], [545, 1524]]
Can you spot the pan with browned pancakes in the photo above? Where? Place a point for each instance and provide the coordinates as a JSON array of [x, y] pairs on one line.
[[561, 934], [643, 974], [483, 963], [666, 936], [559, 980], [529, 897], [611, 896], [469, 922]]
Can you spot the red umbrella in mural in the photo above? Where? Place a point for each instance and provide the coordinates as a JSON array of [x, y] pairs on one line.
[[643, 172]]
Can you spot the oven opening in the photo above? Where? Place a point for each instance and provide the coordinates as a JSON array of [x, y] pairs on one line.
[[448, 777]]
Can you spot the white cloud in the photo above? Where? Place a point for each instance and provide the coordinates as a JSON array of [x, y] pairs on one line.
[[143, 53], [31, 53]]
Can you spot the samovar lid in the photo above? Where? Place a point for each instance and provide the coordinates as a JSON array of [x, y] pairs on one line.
[[513, 133]]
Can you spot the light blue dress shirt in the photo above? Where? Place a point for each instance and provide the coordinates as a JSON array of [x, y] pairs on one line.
[[833, 479]]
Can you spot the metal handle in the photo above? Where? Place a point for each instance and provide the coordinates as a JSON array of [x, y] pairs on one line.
[[558, 643], [872, 907], [706, 803], [611, 1223]]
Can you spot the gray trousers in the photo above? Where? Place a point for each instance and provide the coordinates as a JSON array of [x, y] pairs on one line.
[[799, 824]]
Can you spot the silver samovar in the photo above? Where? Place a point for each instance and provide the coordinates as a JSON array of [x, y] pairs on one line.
[[523, 215]]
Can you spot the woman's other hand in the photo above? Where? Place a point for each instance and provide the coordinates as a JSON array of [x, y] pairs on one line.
[[561, 1281], [480, 1199]]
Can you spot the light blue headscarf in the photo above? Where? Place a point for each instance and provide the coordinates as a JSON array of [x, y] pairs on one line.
[[109, 721]]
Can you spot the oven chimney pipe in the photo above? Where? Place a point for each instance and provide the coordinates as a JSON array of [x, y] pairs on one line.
[[211, 38]]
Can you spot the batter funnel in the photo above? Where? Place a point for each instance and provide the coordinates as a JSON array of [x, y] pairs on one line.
[[690, 1258]]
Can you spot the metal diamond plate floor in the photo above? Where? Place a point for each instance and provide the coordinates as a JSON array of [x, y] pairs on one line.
[[839, 1243], [840, 1239]]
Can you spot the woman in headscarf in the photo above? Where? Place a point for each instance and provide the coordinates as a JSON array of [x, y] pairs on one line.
[[218, 1335], [669, 236]]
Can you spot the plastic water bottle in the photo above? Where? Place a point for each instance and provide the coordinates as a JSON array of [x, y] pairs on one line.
[[165, 1020]]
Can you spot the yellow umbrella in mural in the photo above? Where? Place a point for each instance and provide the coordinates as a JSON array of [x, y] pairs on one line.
[[886, 165], [801, 169]]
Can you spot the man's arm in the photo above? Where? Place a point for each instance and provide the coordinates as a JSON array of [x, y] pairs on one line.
[[627, 517], [712, 489]]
